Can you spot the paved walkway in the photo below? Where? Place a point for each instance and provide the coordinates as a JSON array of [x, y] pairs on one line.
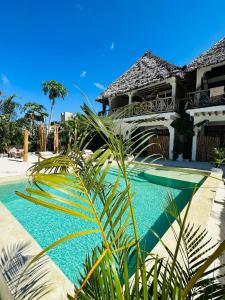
[[15, 167], [216, 225], [185, 164]]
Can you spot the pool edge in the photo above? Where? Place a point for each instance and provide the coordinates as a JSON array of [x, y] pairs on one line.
[[9, 226], [198, 215]]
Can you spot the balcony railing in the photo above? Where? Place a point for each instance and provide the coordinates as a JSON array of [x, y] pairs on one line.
[[159, 105], [202, 98]]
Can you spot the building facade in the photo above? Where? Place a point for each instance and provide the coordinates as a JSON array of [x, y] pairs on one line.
[[66, 116], [206, 104], [156, 93]]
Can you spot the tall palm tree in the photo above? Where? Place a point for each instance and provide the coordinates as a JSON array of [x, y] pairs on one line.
[[54, 90]]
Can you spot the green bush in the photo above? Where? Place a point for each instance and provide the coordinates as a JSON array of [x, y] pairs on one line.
[[218, 157]]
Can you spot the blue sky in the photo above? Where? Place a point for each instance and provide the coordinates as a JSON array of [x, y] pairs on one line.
[[91, 42]]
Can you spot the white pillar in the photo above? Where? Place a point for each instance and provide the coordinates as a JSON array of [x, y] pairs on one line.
[[130, 95], [171, 141], [194, 144], [173, 84], [199, 75]]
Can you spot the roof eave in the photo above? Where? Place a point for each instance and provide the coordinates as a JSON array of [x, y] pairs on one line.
[[155, 82]]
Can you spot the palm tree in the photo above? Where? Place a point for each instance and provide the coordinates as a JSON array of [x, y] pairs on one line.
[[9, 131], [9, 107], [34, 112], [54, 90]]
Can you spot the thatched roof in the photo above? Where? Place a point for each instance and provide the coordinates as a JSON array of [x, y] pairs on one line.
[[214, 55], [148, 69]]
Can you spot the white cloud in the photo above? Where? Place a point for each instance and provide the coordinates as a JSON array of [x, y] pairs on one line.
[[112, 47], [99, 85], [5, 80], [83, 74], [79, 7]]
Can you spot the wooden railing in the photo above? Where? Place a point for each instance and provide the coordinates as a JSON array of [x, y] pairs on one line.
[[202, 99], [167, 104]]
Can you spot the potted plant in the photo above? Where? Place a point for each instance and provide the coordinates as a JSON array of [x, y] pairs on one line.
[[218, 159]]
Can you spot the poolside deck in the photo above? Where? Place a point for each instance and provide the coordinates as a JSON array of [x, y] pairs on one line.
[[16, 167], [197, 165], [9, 227]]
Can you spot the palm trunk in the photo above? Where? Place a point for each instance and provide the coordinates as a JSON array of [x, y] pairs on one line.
[[32, 125], [25, 145], [49, 123], [50, 117]]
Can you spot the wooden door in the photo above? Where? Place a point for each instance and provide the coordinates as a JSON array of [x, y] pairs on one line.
[[205, 144], [159, 146]]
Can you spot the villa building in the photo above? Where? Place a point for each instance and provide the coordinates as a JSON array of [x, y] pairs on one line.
[[206, 104], [156, 93]]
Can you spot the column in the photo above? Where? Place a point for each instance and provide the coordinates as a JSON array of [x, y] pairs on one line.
[[174, 87], [25, 145], [103, 109], [171, 141], [110, 106], [194, 143], [130, 97], [199, 75]]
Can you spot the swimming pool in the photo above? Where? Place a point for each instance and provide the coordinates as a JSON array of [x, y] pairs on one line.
[[46, 226]]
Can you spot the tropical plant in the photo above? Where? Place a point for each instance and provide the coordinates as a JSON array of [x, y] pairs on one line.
[[10, 132], [54, 90], [218, 157], [34, 115], [35, 112], [9, 107], [85, 193], [75, 134]]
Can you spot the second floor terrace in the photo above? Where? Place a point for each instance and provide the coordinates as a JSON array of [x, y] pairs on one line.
[[192, 100], [206, 98], [157, 105]]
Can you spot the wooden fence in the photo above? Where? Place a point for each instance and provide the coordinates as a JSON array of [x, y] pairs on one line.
[[159, 145], [205, 144]]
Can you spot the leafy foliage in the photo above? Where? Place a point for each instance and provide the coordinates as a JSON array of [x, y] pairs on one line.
[[14, 118], [54, 89], [34, 112], [218, 157], [9, 107], [75, 134], [10, 132]]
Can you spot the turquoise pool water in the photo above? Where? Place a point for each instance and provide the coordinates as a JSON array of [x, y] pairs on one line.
[[46, 225]]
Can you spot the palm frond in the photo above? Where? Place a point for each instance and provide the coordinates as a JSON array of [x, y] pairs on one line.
[[30, 284]]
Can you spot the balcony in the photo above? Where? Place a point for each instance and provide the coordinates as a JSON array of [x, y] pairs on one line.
[[158, 105], [204, 98]]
